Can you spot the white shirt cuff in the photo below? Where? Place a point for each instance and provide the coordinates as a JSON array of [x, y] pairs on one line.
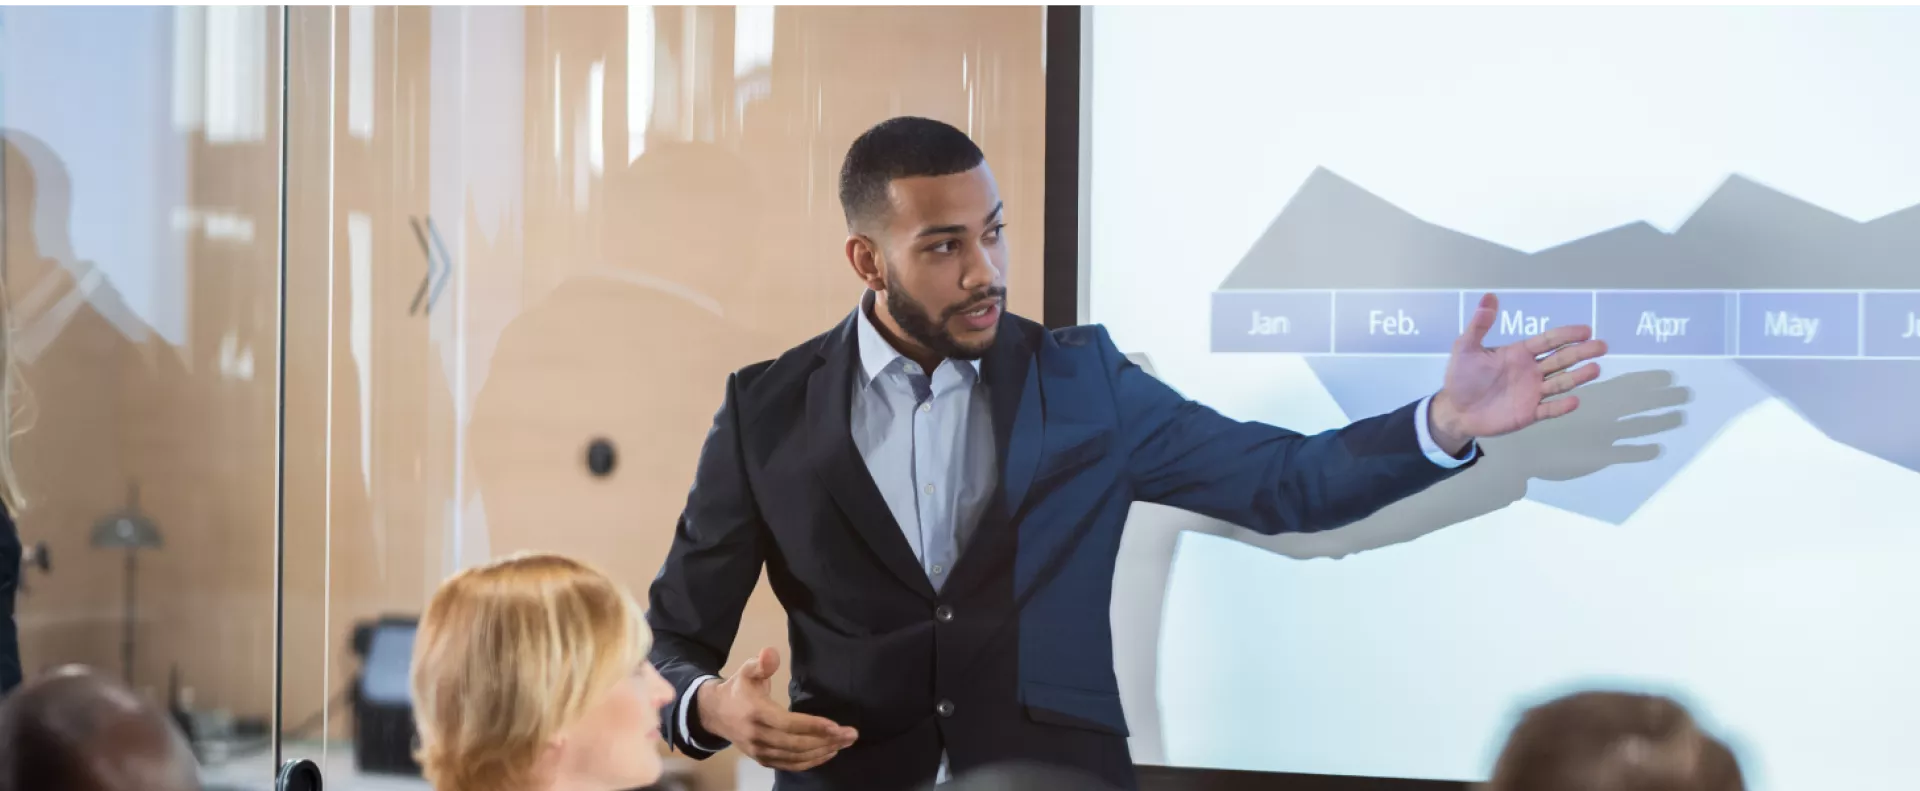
[[1431, 448], [686, 703]]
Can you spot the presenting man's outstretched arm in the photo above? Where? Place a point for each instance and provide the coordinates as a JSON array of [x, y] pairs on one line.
[[1273, 480], [694, 609]]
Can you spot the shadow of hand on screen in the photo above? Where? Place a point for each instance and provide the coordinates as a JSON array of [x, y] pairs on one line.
[[1613, 414]]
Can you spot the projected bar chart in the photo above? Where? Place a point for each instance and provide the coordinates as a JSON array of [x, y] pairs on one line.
[[1822, 325]]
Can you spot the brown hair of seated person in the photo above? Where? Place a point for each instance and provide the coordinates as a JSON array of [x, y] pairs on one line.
[[75, 730], [1613, 741]]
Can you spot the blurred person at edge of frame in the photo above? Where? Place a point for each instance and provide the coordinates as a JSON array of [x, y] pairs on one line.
[[11, 501]]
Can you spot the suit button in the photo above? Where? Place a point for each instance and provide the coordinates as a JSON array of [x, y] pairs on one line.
[[944, 709], [943, 614]]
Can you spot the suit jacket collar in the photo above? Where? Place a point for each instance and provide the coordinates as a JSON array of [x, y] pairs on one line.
[[1013, 389]]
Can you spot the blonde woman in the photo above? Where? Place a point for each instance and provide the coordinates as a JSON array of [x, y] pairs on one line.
[[531, 674]]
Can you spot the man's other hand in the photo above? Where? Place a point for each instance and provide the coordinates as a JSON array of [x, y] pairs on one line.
[[741, 710]]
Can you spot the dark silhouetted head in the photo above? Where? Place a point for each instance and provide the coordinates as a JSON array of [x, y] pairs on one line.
[[76, 730], [926, 232], [1024, 776], [1613, 741]]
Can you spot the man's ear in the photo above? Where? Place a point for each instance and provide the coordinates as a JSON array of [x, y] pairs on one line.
[[864, 256]]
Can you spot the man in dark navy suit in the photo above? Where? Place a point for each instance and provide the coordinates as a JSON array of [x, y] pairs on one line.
[[936, 490]]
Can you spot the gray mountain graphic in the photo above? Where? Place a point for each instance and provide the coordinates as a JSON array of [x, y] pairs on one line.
[[1335, 234]]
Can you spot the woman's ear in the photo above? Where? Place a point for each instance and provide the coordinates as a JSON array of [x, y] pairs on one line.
[[547, 765]]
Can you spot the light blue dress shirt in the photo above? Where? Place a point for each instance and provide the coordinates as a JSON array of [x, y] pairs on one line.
[[927, 440]]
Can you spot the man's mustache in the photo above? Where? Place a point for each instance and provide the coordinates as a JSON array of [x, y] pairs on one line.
[[994, 294]]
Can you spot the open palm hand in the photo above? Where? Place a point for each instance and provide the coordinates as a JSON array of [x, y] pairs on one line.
[[1500, 390]]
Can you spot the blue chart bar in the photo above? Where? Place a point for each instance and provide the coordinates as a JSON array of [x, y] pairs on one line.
[[1296, 322], [1892, 324], [1788, 324], [1691, 323], [1524, 314], [1395, 322]]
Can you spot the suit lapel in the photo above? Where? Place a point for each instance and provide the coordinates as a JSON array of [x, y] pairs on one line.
[[1013, 387], [836, 460]]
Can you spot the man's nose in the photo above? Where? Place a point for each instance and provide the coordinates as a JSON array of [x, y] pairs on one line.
[[979, 272]]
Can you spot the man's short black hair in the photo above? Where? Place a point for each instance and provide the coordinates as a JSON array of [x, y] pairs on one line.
[[900, 148]]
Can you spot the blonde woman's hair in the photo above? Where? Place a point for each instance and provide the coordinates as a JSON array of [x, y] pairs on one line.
[[509, 654], [14, 400]]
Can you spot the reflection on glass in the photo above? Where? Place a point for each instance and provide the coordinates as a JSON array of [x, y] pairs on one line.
[[140, 255]]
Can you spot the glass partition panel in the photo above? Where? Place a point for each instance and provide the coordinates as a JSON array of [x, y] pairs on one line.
[[526, 246], [141, 263]]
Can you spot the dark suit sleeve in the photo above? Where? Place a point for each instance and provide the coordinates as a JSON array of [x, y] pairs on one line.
[[10, 553], [1261, 477], [695, 603]]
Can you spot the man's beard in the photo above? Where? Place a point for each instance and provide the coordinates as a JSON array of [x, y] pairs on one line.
[[922, 327]]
